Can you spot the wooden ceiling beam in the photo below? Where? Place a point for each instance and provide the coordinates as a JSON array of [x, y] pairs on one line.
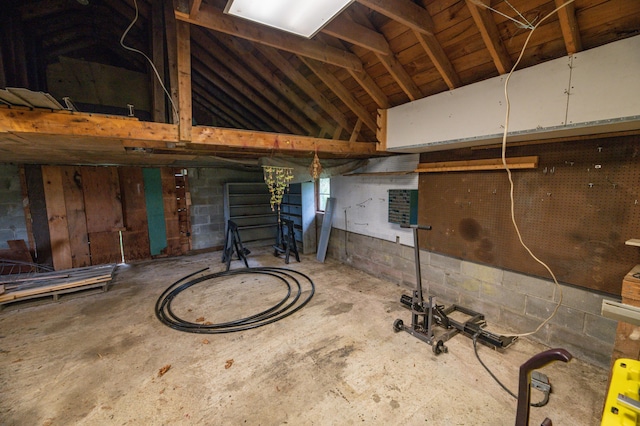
[[352, 32], [405, 12], [282, 143], [569, 26], [345, 29], [250, 79], [86, 136], [210, 17], [370, 86], [195, 8], [490, 35], [283, 88], [276, 58], [341, 92], [277, 120], [440, 60]]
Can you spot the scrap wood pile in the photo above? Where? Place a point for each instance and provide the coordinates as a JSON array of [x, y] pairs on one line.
[[26, 286]]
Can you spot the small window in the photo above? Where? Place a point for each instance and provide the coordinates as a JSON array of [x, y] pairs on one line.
[[323, 191]]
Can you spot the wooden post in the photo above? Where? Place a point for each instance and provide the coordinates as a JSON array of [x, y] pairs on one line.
[[184, 80], [172, 57], [157, 56]]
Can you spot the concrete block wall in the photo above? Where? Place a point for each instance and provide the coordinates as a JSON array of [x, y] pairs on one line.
[[511, 302], [207, 203], [12, 221]]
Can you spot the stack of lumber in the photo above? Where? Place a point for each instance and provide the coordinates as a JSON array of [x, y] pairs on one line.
[[27, 286]]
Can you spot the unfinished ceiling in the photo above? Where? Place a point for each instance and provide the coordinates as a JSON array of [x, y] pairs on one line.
[[375, 55]]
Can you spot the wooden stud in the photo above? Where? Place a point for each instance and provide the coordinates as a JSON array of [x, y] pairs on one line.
[[157, 56], [381, 131], [569, 26], [356, 131], [185, 108]]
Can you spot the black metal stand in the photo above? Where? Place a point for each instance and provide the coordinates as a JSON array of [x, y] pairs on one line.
[[233, 242], [286, 241], [425, 316]]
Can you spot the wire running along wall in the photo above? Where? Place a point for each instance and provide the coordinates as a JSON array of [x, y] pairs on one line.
[[575, 211]]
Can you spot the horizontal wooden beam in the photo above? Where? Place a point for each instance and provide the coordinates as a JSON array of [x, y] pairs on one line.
[[213, 136], [212, 18], [477, 165], [73, 138]]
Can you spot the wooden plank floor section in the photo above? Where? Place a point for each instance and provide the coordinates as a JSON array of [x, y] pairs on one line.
[[19, 287]]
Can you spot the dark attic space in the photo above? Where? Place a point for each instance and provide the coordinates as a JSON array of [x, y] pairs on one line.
[[336, 212]]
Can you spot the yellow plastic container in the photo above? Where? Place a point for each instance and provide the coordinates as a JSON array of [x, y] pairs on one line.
[[622, 407]]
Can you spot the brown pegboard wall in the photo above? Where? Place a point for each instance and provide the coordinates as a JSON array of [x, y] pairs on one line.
[[575, 211]]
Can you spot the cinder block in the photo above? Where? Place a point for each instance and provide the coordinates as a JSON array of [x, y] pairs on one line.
[[582, 299], [445, 262], [580, 346], [491, 311], [463, 283], [503, 296], [565, 317], [433, 275], [443, 294], [538, 287], [518, 323], [600, 327], [481, 272], [200, 220]]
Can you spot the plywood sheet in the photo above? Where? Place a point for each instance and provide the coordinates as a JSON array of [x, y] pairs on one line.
[[169, 199], [39, 219], [575, 211], [105, 247], [102, 199], [135, 239], [76, 217], [57, 216]]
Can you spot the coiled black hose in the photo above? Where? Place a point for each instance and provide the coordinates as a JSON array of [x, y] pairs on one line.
[[289, 304]]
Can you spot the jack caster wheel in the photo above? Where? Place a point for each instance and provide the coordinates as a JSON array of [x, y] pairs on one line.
[[398, 325], [439, 348]]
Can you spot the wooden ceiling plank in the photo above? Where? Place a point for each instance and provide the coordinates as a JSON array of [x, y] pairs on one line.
[[569, 26], [370, 86], [219, 106], [219, 97], [354, 33], [238, 97], [433, 48], [278, 120], [220, 115], [259, 68], [401, 76], [210, 17], [490, 35], [404, 11], [276, 58], [341, 92], [300, 123]]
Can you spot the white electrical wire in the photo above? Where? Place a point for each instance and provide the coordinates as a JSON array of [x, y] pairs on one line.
[[504, 162], [155, 70]]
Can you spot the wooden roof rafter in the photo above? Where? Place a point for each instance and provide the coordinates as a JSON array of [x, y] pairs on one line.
[[490, 34]]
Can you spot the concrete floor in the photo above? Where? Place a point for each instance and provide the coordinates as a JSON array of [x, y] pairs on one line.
[[94, 360]]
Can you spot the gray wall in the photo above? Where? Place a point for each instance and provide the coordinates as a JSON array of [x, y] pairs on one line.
[[12, 221], [207, 203], [517, 303]]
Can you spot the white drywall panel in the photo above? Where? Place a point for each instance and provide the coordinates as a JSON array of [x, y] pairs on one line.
[[605, 82], [548, 100], [362, 201]]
